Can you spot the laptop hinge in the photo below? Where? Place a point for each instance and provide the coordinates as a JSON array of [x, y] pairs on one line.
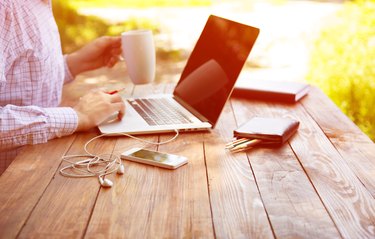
[[191, 109]]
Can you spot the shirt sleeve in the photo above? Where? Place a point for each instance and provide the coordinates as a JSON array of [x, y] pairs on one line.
[[68, 75], [4, 41], [22, 125]]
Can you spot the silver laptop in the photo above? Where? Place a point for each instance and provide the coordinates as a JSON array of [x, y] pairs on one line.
[[203, 89]]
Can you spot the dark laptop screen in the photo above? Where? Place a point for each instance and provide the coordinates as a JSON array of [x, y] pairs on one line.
[[214, 65]]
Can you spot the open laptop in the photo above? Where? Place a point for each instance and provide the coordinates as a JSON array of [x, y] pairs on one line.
[[204, 86]]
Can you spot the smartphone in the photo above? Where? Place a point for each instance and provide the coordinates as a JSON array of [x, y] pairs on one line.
[[164, 160]]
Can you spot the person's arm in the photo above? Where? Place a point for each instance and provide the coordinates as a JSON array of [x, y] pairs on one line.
[[22, 125], [103, 51], [97, 106], [68, 77]]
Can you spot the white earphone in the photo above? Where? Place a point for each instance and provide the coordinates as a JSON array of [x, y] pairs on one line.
[[108, 183], [84, 168], [105, 182], [110, 162]]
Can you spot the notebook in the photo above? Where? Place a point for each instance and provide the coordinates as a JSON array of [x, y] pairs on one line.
[[204, 86], [278, 91]]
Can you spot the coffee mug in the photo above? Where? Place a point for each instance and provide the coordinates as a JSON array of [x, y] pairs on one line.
[[138, 51]]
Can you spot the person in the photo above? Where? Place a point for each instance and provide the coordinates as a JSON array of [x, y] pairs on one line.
[[32, 73]]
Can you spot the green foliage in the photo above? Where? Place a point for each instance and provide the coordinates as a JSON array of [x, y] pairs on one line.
[[343, 63], [137, 3], [76, 30]]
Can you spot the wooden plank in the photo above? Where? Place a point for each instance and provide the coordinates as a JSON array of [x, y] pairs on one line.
[[237, 208], [294, 208], [184, 212], [67, 203], [183, 206], [349, 203], [150, 202], [124, 211], [354, 146], [24, 182]]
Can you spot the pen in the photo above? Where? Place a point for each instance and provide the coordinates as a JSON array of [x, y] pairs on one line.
[[236, 142], [115, 91], [245, 146]]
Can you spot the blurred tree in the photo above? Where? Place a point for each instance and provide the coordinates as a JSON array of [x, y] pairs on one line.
[[343, 63], [137, 3], [76, 30]]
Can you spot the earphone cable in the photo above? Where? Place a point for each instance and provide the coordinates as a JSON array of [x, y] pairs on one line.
[[111, 164]]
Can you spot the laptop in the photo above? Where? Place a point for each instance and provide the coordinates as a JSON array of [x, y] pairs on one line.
[[203, 89]]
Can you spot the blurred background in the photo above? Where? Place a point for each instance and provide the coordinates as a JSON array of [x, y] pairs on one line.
[[330, 44]]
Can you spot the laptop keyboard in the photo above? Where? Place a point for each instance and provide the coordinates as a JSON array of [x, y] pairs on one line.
[[160, 111]]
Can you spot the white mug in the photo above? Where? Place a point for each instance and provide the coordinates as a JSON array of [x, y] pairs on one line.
[[138, 50]]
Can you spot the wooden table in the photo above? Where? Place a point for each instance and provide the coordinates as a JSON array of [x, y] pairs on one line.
[[321, 184]]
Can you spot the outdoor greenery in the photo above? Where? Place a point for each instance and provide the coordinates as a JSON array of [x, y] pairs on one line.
[[76, 30], [343, 63], [138, 3]]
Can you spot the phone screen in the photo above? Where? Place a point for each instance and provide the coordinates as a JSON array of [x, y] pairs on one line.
[[153, 156]]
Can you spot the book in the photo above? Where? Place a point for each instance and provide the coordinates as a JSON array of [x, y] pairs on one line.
[[271, 131], [278, 91]]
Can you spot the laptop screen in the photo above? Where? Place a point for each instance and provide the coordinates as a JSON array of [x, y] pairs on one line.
[[214, 66]]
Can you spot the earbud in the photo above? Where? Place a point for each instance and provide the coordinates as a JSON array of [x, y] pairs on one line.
[[105, 182], [121, 169]]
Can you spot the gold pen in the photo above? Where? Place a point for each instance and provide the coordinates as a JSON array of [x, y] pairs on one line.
[[245, 146], [236, 142]]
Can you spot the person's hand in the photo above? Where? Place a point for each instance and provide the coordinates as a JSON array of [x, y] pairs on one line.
[[103, 51], [95, 107]]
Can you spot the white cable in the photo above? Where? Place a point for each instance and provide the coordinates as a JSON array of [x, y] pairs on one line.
[[130, 136], [111, 164]]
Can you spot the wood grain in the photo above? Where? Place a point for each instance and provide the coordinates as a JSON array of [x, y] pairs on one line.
[[24, 182], [319, 185], [175, 203], [294, 208], [151, 202], [68, 215], [185, 211], [349, 203], [66, 205], [354, 146], [237, 208]]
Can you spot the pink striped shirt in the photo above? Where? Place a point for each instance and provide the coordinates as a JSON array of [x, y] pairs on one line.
[[32, 73]]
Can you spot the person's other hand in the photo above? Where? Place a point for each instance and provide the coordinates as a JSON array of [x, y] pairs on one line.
[[103, 51], [95, 107]]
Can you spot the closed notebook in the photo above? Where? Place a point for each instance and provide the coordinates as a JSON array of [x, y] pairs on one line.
[[278, 91], [271, 131]]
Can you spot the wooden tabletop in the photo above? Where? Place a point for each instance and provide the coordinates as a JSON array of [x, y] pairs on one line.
[[320, 184]]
